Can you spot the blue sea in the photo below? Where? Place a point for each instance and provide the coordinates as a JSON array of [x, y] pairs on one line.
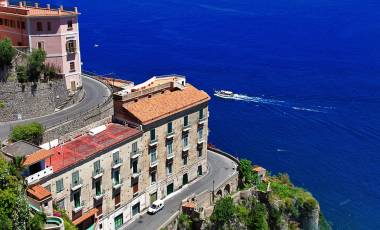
[[307, 73]]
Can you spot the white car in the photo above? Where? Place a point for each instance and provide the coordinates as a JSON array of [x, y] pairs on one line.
[[156, 206]]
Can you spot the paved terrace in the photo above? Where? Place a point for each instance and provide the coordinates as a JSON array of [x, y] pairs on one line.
[[220, 169], [96, 93]]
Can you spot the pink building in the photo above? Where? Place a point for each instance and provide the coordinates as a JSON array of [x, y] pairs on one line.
[[54, 30]]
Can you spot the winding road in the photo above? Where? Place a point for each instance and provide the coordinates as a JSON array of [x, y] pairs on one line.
[[220, 168], [95, 93]]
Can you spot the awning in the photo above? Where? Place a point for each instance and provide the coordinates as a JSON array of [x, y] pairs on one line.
[[86, 216], [37, 156]]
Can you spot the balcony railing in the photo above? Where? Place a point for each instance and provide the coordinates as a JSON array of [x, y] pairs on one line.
[[78, 208], [170, 135], [117, 163], [202, 120], [169, 155], [100, 195], [136, 173], [34, 178], [117, 184], [153, 142], [153, 163], [186, 128], [200, 140], [135, 154], [186, 148], [97, 173], [77, 184]]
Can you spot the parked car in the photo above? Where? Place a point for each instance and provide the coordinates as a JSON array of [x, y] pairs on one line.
[[156, 206]]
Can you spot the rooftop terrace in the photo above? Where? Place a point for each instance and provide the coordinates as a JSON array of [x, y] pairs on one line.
[[26, 9], [83, 147]]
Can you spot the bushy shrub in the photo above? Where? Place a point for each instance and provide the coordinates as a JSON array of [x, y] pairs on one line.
[[224, 212], [21, 73], [31, 132]]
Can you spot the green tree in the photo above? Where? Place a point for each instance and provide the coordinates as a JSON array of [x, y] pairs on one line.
[[246, 173], [36, 64], [21, 73], [224, 213], [37, 221], [31, 132], [14, 208], [7, 53], [184, 222]]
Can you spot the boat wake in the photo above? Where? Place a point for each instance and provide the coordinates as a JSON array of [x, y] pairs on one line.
[[274, 102]]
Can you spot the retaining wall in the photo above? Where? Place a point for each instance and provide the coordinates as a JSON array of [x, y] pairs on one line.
[[35, 100]]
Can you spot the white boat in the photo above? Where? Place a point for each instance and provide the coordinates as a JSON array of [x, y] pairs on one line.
[[224, 93]]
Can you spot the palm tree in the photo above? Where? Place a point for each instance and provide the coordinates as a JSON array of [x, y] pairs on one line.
[[19, 167]]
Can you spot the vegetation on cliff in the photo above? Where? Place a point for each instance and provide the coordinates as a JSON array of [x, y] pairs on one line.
[[277, 204]]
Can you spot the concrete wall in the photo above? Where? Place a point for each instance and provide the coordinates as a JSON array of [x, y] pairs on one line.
[[34, 101]]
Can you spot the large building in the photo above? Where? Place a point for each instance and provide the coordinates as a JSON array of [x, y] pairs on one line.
[[40, 27], [173, 116], [109, 175]]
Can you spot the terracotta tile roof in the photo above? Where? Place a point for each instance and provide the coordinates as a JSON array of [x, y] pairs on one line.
[[189, 204], [37, 156], [38, 192], [85, 146], [87, 215], [148, 110]]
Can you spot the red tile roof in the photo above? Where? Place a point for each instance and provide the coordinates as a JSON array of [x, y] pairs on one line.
[[151, 109], [85, 146], [38, 192]]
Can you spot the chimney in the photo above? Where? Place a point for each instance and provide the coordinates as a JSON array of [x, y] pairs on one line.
[[61, 7], [76, 10], [24, 3], [20, 4], [48, 6], [36, 5]]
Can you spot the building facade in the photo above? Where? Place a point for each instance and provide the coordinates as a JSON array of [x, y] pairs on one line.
[[173, 116], [54, 30]]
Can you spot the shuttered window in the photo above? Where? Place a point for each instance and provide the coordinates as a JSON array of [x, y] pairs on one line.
[[59, 185]]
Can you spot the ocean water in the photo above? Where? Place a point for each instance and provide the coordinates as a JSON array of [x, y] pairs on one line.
[[307, 73]]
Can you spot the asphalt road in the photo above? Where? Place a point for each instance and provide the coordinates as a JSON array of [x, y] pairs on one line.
[[220, 168], [96, 93]]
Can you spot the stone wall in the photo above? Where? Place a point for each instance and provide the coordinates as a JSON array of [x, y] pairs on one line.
[[29, 101], [80, 123]]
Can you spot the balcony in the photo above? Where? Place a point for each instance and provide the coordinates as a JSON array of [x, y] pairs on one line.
[[99, 195], [117, 184], [186, 128], [200, 141], [117, 163], [153, 163], [135, 154], [170, 135], [79, 207], [153, 142], [169, 155], [97, 173], [202, 120], [136, 173], [34, 178], [76, 185], [186, 148]]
